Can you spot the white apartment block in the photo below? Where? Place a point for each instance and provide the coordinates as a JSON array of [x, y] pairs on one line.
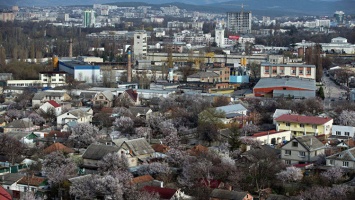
[[140, 45], [293, 70]]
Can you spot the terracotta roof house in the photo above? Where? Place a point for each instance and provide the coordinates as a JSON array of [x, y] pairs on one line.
[[302, 150], [164, 193], [4, 195], [130, 95], [58, 147], [142, 181], [304, 125], [51, 104], [198, 149], [31, 183], [9, 181], [219, 194], [161, 148]]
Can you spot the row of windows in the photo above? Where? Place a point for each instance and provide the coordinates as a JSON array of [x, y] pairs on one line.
[[300, 153], [345, 163], [345, 133], [301, 125]]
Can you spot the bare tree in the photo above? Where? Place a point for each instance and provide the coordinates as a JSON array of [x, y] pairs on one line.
[[11, 148]]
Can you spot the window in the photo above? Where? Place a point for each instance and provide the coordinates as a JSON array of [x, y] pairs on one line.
[[283, 138], [301, 154], [287, 152], [101, 97], [288, 162], [53, 79], [338, 133], [295, 144], [345, 164], [45, 79], [301, 71], [314, 126], [138, 37], [288, 124], [347, 133], [331, 162], [61, 79], [302, 125]]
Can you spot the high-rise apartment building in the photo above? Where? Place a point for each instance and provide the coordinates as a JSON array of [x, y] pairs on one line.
[[239, 22], [339, 17], [88, 18], [140, 44], [219, 35]]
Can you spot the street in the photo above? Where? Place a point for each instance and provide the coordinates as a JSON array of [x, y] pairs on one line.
[[334, 94]]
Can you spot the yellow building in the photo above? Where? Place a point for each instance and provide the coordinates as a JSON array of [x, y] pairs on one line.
[[304, 125]]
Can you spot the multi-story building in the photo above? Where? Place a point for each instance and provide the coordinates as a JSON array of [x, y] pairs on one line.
[[239, 22], [219, 36], [304, 125], [81, 71], [223, 72], [339, 17], [294, 70], [89, 18], [302, 150], [7, 16], [140, 45], [52, 79], [347, 131]]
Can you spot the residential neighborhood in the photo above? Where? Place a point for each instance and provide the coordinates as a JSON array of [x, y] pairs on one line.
[[174, 101]]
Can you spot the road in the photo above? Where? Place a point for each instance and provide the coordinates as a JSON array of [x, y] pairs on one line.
[[332, 92]]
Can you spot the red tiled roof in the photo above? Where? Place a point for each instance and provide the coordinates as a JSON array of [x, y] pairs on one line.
[[259, 134], [54, 103], [160, 148], [164, 193], [210, 183], [142, 179], [133, 94], [31, 180], [303, 119], [198, 149], [58, 147], [4, 195]]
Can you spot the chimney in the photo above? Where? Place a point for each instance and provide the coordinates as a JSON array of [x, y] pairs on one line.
[[129, 65], [70, 47]]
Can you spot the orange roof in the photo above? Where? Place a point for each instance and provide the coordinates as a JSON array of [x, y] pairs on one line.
[[198, 149], [160, 148], [31, 180], [58, 147], [303, 119], [142, 179], [4, 195]]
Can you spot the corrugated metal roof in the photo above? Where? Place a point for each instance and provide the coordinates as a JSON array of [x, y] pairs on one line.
[[307, 84], [232, 108]]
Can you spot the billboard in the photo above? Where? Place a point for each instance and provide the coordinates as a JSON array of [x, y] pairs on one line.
[[233, 37]]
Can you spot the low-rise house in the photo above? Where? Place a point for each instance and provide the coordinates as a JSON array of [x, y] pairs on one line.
[[140, 111], [209, 77], [302, 150], [272, 137], [21, 125], [232, 112], [104, 99], [55, 147], [278, 113], [164, 193], [219, 194], [31, 183], [129, 95], [51, 104], [142, 181], [347, 131], [9, 182], [136, 150], [304, 125], [4, 195], [344, 159], [95, 152], [77, 115], [44, 96]]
